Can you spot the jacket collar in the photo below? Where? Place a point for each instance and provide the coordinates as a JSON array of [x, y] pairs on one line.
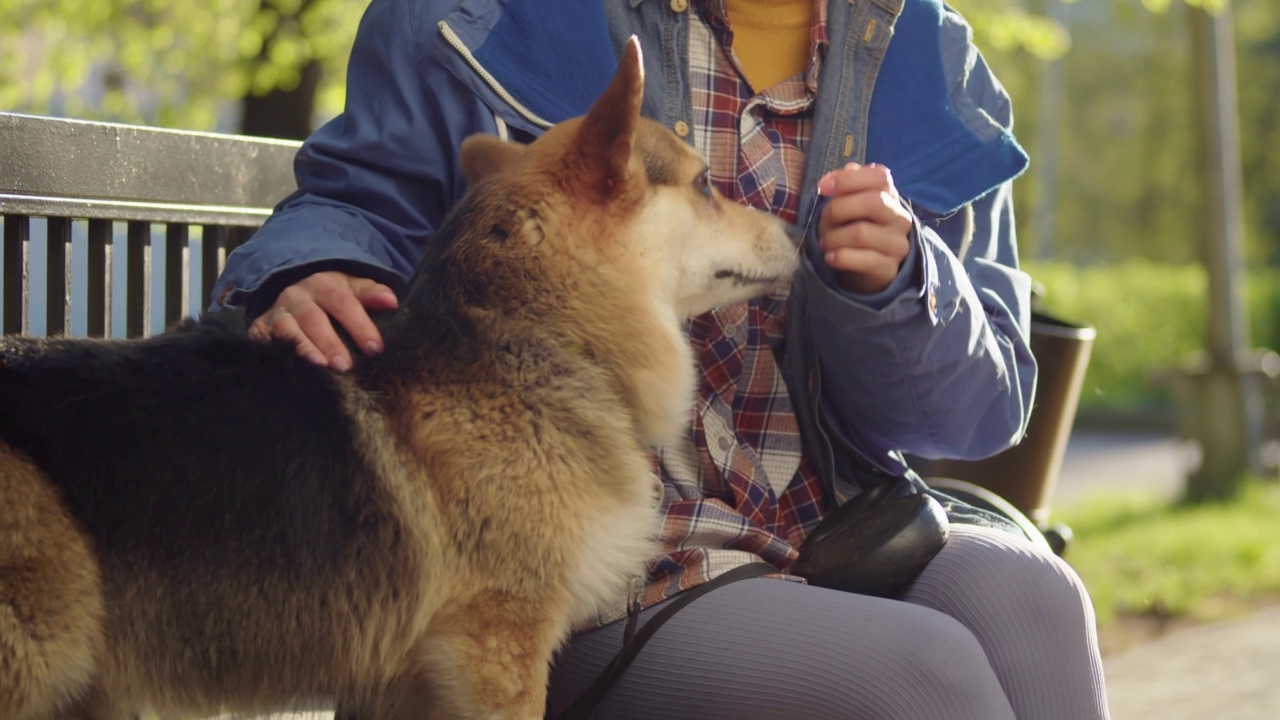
[[956, 151], [553, 58]]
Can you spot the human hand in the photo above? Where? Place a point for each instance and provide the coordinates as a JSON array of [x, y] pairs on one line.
[[864, 231], [300, 315]]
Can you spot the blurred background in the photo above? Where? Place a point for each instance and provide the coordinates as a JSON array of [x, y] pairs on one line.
[[1150, 213]]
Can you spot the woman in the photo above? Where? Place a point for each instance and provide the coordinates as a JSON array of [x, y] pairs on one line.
[[888, 341]]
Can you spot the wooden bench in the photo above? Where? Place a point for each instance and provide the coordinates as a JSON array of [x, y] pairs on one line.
[[114, 192]]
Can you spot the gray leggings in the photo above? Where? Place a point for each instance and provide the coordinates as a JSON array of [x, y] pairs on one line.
[[993, 629]]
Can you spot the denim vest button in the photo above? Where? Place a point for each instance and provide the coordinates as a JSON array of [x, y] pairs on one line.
[[679, 5], [681, 127]]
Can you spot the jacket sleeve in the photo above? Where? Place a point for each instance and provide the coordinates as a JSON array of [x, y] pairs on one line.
[[374, 182], [939, 364]]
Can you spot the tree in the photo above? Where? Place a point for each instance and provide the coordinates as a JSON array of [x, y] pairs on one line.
[[1258, 57], [175, 63], [1124, 182]]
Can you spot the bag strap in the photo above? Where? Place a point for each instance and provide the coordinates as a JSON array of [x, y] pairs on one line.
[[582, 708]]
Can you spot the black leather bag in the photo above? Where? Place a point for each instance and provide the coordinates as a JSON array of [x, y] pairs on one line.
[[877, 542]]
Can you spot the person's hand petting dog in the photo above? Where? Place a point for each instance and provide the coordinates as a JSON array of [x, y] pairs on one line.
[[864, 231], [300, 315]]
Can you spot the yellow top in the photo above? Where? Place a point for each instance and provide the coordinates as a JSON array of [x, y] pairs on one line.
[[770, 38]]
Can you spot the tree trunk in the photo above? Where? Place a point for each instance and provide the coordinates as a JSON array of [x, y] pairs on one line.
[[283, 113]]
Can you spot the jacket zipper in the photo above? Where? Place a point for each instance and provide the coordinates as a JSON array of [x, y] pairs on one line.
[[815, 395], [456, 43]]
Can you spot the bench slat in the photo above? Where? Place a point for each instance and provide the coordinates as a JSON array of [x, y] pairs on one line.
[[68, 171], [98, 279], [17, 229], [137, 305], [102, 209], [58, 239], [176, 238], [60, 158]]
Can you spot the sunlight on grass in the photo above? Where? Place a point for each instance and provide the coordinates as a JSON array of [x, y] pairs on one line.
[[1140, 555]]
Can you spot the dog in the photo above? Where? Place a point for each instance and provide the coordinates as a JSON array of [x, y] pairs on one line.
[[195, 523]]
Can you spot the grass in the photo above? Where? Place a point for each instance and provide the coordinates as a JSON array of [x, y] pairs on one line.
[[1149, 317], [1151, 565]]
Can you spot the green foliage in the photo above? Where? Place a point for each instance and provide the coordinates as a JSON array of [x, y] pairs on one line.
[[1112, 132], [1149, 317], [1214, 6], [1004, 27], [1258, 39], [1140, 555], [167, 62]]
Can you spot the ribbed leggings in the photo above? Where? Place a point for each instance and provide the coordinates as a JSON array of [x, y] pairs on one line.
[[993, 629]]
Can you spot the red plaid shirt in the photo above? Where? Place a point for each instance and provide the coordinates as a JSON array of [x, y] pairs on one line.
[[740, 489]]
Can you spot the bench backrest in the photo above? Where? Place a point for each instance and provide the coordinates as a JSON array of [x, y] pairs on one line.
[[113, 187]]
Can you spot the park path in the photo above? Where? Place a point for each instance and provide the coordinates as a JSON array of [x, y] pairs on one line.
[[1228, 670]]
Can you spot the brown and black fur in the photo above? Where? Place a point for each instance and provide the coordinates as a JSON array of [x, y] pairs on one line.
[[194, 523]]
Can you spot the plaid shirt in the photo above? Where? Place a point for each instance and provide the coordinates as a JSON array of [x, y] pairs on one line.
[[739, 489]]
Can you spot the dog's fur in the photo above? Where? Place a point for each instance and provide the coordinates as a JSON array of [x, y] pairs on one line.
[[194, 523]]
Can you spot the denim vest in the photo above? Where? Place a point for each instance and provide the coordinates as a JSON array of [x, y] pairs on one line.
[[859, 32]]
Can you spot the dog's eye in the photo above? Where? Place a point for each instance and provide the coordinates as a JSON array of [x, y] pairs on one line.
[[703, 183]]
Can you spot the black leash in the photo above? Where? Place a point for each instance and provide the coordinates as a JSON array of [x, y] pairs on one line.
[[634, 640]]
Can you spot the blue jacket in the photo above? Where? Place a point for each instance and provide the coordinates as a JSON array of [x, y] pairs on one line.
[[936, 365]]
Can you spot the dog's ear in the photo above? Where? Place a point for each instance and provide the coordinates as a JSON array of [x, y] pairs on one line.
[[482, 155], [608, 132]]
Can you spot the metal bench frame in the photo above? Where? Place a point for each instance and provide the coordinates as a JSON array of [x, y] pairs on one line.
[[103, 173]]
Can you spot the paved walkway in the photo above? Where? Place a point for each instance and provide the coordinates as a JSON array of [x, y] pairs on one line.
[[1097, 462], [1223, 671]]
